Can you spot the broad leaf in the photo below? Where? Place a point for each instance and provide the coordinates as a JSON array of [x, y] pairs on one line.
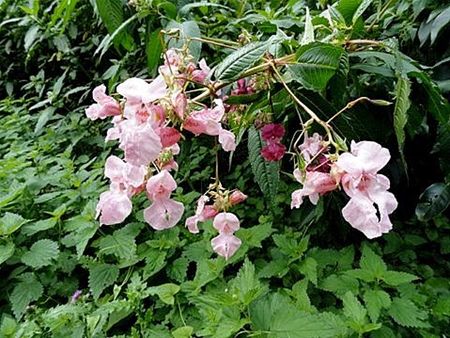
[[433, 201], [11, 222], [406, 313], [101, 276], [187, 30], [376, 300], [25, 292], [41, 254], [165, 292], [6, 250]]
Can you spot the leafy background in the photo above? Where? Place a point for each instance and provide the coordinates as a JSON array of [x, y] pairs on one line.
[[301, 273]]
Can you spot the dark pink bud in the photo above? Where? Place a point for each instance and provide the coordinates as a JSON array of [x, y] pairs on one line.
[[209, 212], [237, 197], [272, 132], [273, 151]]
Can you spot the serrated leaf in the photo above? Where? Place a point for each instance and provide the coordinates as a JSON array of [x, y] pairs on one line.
[[402, 104], [395, 278], [406, 313], [316, 64], [165, 292], [353, 309], [373, 263], [6, 250], [376, 300], [101, 276], [10, 223], [433, 201], [183, 332], [308, 267], [41, 254], [121, 243], [340, 284], [246, 285], [25, 292], [240, 60], [266, 173], [33, 228], [361, 9]]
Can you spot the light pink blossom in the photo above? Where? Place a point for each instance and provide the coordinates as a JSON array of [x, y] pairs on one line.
[[192, 221], [315, 183], [160, 186], [138, 91], [226, 245], [201, 74], [311, 146], [206, 121], [113, 207], [105, 106], [123, 173], [227, 140], [226, 223], [164, 213]]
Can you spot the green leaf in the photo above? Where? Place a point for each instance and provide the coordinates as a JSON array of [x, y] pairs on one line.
[[361, 9], [433, 201], [33, 228], [276, 315], [240, 60], [25, 292], [340, 284], [266, 173], [121, 243], [376, 300], [308, 34], [101, 276], [183, 332], [41, 254], [308, 267], [402, 104], [31, 36], [406, 313], [10, 223], [165, 292], [353, 309], [348, 9], [372, 263], [316, 64], [6, 250], [188, 30], [395, 278], [153, 49], [246, 284]]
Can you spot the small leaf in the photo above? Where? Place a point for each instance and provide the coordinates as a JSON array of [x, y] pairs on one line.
[[376, 300], [165, 292], [433, 201], [353, 309], [395, 278], [153, 49], [361, 9], [246, 285], [101, 276], [6, 250], [402, 104], [371, 262], [41, 254], [406, 313], [31, 36], [188, 30], [25, 292], [308, 267], [183, 332], [11, 222], [33, 228], [308, 34]]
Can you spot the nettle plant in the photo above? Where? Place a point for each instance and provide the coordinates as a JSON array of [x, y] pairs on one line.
[[150, 119]]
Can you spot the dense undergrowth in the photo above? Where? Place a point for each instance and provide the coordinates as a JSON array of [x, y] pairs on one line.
[[299, 272]]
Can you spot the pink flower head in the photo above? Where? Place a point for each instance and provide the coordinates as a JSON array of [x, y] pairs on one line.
[[226, 223], [138, 91], [311, 146], [160, 186], [315, 183], [237, 197], [201, 74], [273, 151], [226, 245], [140, 143], [113, 207], [172, 58], [169, 136], [164, 213], [272, 132], [227, 140], [105, 106], [206, 121], [179, 103], [202, 213], [122, 173]]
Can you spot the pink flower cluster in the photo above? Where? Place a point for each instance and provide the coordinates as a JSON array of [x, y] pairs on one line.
[[146, 122], [272, 134], [356, 171]]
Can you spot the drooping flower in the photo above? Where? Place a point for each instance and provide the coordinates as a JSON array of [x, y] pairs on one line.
[[164, 213], [311, 146], [227, 140], [113, 207], [206, 121], [160, 186], [202, 213], [169, 136], [105, 106], [226, 223], [125, 174], [138, 91], [273, 151], [225, 245], [201, 74]]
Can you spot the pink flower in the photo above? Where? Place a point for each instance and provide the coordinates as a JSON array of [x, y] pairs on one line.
[[367, 188], [201, 74], [138, 91], [164, 213], [179, 103], [311, 146], [272, 132], [206, 121], [140, 143], [122, 173], [169, 136], [226, 223], [273, 151], [227, 140], [160, 186], [237, 197], [105, 106], [202, 213], [225, 245], [315, 183], [113, 207]]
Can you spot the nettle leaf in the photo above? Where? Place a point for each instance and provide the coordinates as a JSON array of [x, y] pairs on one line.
[[25, 292], [122, 242], [183, 332], [353, 309], [10, 223], [240, 60], [41, 253], [395, 278], [101, 276], [33, 228], [6, 250], [340, 284], [406, 313], [372, 263], [376, 300], [165, 292], [276, 315], [402, 104], [267, 174], [246, 284], [316, 64], [433, 201], [308, 267]]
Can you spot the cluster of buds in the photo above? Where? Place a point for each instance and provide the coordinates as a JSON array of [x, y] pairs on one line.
[[356, 171], [147, 122], [272, 134]]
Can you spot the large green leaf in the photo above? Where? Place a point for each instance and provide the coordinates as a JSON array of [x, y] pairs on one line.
[[406, 313], [240, 60], [434, 200], [11, 222], [41, 253], [25, 292], [402, 104], [153, 49], [101, 276], [6, 250], [316, 64], [267, 174]]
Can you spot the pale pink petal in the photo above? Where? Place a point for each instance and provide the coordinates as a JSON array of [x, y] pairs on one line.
[[163, 214], [227, 140], [311, 146], [93, 111], [365, 157], [169, 136], [161, 186], [113, 207], [192, 224], [226, 223], [297, 198], [237, 197], [114, 168], [226, 245], [136, 90]]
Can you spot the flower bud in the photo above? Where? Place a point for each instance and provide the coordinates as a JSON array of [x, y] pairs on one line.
[[237, 197]]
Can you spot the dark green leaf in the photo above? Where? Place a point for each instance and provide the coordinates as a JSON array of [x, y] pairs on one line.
[[433, 201]]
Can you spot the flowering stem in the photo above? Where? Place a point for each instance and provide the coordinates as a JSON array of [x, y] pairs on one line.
[[348, 106]]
